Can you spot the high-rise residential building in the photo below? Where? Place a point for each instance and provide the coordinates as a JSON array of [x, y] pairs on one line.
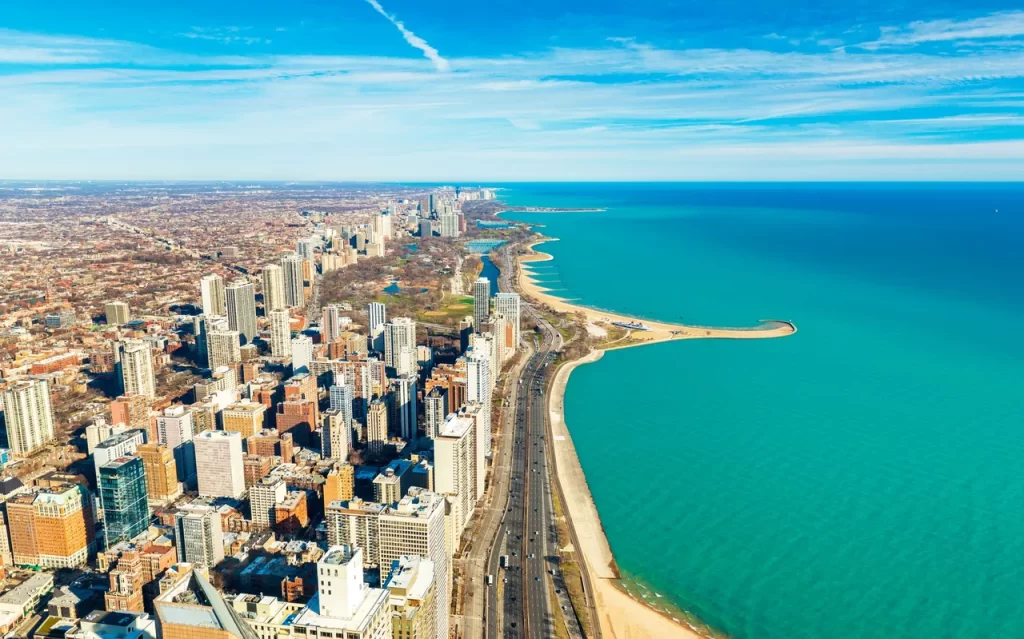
[[336, 434], [302, 354], [341, 396], [355, 523], [225, 348], [117, 313], [28, 415], [294, 280], [264, 496], [176, 430], [135, 363], [481, 416], [241, 303], [198, 535], [273, 288], [416, 526], [331, 326], [508, 304], [340, 484], [219, 464], [280, 333], [51, 528], [120, 445], [454, 467], [403, 397], [481, 301], [161, 472], [377, 426], [123, 497], [411, 597], [204, 326], [376, 318], [400, 345], [211, 290], [449, 224], [435, 410], [245, 418], [344, 605], [305, 248]]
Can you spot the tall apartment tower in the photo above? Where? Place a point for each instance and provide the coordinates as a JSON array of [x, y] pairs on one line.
[[336, 435], [435, 410], [481, 301], [294, 281], [161, 471], [176, 430], [416, 526], [224, 348], [29, 416], [211, 290], [280, 333], [400, 345], [508, 304], [273, 288], [198, 535], [117, 313], [330, 323], [241, 303], [455, 467], [219, 464], [302, 354], [135, 362], [122, 488], [377, 426], [264, 496], [404, 398], [376, 317], [51, 528]]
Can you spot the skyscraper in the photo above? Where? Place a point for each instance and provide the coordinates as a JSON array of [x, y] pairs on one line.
[[198, 535], [508, 304], [336, 437], [294, 282], [302, 354], [377, 316], [29, 416], [435, 409], [122, 488], [273, 288], [404, 398], [135, 362], [280, 333], [161, 471], [176, 430], [225, 348], [400, 345], [51, 528], [264, 495], [211, 289], [241, 303], [481, 301], [219, 464], [455, 467], [330, 323], [377, 426], [117, 313]]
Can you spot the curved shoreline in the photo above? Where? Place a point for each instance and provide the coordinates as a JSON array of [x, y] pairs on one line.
[[619, 613]]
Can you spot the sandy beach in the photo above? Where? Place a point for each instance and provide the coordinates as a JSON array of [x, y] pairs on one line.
[[599, 320], [621, 616]]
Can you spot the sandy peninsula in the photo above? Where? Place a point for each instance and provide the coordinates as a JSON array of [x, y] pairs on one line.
[[620, 615]]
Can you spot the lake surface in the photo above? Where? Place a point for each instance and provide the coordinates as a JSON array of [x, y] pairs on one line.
[[863, 478]]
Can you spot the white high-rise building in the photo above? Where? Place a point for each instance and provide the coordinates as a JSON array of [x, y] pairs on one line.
[[198, 535], [455, 466], [481, 416], [331, 323], [241, 303], [135, 361], [212, 291], [264, 495], [400, 345], [435, 410], [336, 435], [302, 354], [280, 333], [449, 223], [219, 464], [273, 288], [481, 301], [508, 304], [176, 429], [377, 316], [28, 414], [306, 248], [416, 526], [404, 398], [225, 348], [120, 445], [294, 280], [117, 313]]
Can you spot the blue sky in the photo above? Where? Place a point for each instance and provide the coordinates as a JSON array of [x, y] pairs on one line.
[[454, 90]]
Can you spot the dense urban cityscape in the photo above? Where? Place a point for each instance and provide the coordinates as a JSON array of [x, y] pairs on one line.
[[250, 411]]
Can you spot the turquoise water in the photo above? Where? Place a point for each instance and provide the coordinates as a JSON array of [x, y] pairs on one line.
[[863, 478], [483, 246]]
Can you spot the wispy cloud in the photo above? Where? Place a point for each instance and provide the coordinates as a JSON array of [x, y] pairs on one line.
[[227, 35], [1004, 25], [414, 40]]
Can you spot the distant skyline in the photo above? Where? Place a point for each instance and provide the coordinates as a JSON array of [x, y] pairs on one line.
[[403, 91]]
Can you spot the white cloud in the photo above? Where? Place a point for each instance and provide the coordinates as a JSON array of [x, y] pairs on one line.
[[414, 40], [1003, 25]]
